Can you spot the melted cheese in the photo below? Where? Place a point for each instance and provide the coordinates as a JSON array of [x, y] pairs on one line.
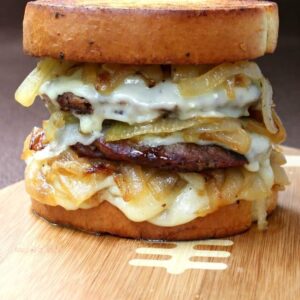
[[183, 209], [86, 192], [134, 102], [259, 151], [190, 203], [66, 136]]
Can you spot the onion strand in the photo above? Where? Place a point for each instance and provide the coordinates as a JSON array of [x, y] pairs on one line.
[[45, 70], [190, 87], [267, 104], [122, 131]]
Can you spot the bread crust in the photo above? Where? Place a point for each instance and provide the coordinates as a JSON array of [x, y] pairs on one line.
[[133, 32], [106, 218]]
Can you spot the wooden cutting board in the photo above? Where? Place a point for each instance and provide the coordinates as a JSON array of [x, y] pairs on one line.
[[40, 261]]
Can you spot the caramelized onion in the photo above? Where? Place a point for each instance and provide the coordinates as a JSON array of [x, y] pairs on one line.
[[65, 180], [254, 187], [190, 87], [122, 131], [57, 120], [224, 186], [111, 76], [213, 192], [267, 104], [277, 157], [280, 176], [51, 126], [226, 131], [232, 184], [136, 183], [179, 72], [237, 140], [90, 73], [152, 74], [45, 70], [147, 192], [259, 128], [229, 87]]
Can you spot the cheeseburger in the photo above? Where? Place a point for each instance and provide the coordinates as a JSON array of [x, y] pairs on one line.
[[161, 124]]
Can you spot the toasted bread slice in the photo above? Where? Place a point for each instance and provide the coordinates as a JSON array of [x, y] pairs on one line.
[[151, 32], [106, 218]]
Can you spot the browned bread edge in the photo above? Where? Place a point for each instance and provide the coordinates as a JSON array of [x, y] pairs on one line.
[[106, 218]]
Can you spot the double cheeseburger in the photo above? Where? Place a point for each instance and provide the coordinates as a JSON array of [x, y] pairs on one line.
[[161, 126]]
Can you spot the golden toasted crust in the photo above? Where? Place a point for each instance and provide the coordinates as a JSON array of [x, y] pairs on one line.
[[106, 218], [151, 32]]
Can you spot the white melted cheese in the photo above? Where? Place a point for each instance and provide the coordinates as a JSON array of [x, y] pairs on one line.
[[189, 204], [259, 151], [183, 209], [259, 207], [134, 102], [66, 136]]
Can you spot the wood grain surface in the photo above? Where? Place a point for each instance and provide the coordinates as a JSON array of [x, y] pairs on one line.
[[40, 261]]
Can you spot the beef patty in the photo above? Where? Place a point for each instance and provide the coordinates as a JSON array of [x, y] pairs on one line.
[[71, 103], [181, 157]]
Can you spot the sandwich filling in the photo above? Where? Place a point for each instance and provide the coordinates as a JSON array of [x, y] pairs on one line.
[[164, 144]]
